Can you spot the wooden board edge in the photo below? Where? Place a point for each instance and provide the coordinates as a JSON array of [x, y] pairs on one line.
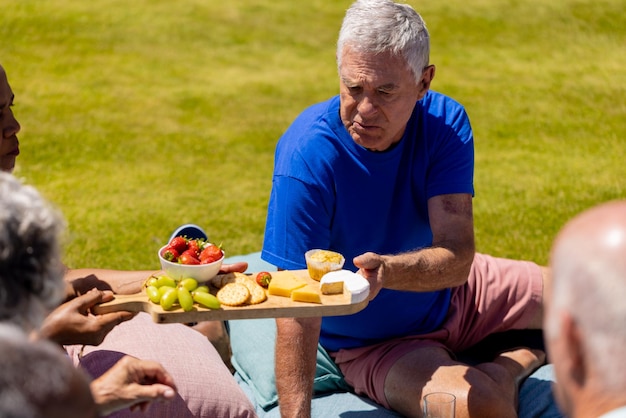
[[274, 312]]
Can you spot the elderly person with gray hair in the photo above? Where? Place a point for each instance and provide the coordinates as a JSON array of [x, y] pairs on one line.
[[116, 348], [383, 173], [31, 273], [585, 316], [32, 285], [39, 381]]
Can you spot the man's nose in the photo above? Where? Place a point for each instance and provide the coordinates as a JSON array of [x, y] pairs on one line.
[[367, 105], [10, 125]]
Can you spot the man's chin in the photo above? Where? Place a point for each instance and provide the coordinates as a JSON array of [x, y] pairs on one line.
[[369, 143], [362, 139], [7, 164]]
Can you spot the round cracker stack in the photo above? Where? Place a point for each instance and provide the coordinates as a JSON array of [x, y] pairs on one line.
[[256, 293], [233, 294]]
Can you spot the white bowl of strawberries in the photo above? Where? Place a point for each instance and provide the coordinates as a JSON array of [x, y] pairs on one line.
[[195, 258]]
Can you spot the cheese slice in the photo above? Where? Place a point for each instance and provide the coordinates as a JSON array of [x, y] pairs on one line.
[[358, 287], [331, 284], [307, 293], [284, 283], [355, 284]]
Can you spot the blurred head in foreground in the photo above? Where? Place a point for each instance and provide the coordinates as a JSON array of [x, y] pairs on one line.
[[38, 380], [585, 319], [31, 271]]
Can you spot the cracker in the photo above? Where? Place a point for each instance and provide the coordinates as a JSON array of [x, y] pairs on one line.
[[233, 294], [257, 293]]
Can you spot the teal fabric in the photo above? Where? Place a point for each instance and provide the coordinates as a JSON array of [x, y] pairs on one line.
[[252, 343], [255, 264], [336, 404]]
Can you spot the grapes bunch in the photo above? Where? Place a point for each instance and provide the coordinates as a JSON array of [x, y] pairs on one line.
[[170, 293]]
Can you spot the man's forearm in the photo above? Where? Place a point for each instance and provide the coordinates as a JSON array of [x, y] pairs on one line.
[[428, 269], [447, 262], [119, 281], [296, 354]]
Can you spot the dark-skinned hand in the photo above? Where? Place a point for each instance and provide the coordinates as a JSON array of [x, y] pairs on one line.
[[73, 322]]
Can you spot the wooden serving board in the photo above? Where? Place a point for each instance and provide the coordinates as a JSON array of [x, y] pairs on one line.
[[273, 307]]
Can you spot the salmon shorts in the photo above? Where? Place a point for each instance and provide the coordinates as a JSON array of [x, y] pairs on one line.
[[500, 295]]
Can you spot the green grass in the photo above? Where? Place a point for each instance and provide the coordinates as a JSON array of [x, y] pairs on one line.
[[140, 116]]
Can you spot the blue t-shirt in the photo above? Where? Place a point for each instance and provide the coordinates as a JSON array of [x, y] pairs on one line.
[[329, 192]]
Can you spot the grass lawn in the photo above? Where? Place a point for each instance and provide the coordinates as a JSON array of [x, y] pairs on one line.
[[139, 116]]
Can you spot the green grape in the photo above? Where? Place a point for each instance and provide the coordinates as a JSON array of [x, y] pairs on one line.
[[184, 298], [153, 294], [152, 281], [165, 281], [189, 284], [203, 288], [169, 298], [164, 289], [206, 299]]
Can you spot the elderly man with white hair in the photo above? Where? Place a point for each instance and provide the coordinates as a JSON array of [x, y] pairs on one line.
[[585, 316]]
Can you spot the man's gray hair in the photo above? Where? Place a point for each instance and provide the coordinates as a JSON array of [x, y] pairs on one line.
[[31, 271], [377, 26]]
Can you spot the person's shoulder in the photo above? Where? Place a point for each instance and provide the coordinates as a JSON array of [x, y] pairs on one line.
[[436, 100], [319, 111], [439, 112], [443, 110], [316, 121], [313, 137]]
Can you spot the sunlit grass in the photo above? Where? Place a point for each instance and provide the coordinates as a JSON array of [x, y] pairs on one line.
[[140, 116]]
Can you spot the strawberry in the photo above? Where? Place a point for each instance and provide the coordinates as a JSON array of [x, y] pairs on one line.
[[263, 279], [194, 245], [211, 253], [170, 254], [188, 257], [179, 244]]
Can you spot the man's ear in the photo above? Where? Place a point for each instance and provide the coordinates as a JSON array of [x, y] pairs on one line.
[[427, 77], [575, 350]]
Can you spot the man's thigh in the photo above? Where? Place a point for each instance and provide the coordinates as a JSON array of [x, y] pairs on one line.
[[421, 371], [367, 369], [500, 295], [482, 391]]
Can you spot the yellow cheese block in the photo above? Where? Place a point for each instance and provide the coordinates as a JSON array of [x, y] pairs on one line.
[[284, 284], [307, 293]]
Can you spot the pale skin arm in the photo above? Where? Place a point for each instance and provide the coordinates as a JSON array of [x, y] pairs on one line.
[[296, 353], [123, 282], [443, 265]]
